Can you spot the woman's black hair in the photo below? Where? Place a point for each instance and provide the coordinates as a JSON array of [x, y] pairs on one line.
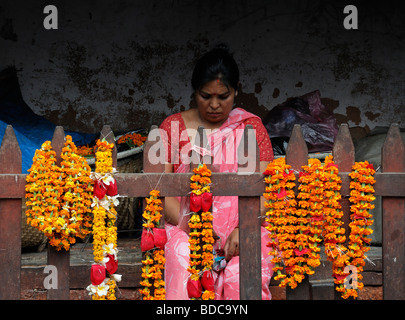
[[216, 64]]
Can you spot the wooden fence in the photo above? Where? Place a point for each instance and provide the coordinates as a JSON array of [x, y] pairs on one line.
[[390, 184]]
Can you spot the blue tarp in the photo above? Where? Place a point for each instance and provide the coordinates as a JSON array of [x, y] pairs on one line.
[[32, 130]]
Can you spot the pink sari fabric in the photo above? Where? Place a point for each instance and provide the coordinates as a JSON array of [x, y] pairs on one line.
[[225, 212]]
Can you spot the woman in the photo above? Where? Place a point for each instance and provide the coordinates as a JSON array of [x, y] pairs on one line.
[[215, 81]]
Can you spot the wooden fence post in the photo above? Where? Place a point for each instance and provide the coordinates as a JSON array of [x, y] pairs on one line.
[[60, 259], [107, 134], [393, 160], [344, 156], [10, 222], [201, 141], [250, 271], [296, 157]]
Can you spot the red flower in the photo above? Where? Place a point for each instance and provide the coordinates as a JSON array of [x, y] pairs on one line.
[[271, 245], [112, 264], [112, 188], [207, 280], [282, 193], [268, 172], [147, 240], [194, 288], [99, 189], [370, 166], [195, 202], [330, 164], [285, 174], [206, 201], [97, 274], [160, 237], [317, 218], [303, 174], [300, 253], [339, 276]]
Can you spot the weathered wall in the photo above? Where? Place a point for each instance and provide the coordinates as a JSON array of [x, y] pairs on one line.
[[128, 63]]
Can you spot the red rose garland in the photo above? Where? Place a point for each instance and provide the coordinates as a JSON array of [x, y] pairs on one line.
[[200, 284], [152, 245], [102, 274]]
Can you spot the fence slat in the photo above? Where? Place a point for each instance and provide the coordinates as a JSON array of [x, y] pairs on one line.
[[107, 134], [152, 164], [201, 142], [10, 222], [297, 150], [393, 160], [297, 156], [250, 277], [59, 259], [344, 156]]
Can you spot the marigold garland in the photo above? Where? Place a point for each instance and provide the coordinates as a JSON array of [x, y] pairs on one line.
[[104, 226], [59, 197], [201, 284], [334, 231], [282, 221], [295, 235], [313, 188], [152, 243], [361, 196]]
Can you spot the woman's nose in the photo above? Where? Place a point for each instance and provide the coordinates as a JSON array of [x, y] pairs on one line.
[[214, 103]]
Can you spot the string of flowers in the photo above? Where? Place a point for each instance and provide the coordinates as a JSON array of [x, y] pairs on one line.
[[305, 252], [153, 241], [59, 198], [334, 231], [201, 282], [315, 190], [361, 196], [105, 249], [282, 221]]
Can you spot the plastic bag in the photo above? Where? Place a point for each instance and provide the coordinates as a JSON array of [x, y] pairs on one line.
[[318, 124]]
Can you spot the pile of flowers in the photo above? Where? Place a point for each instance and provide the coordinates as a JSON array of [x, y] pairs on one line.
[[296, 233], [132, 139], [59, 198], [102, 274], [200, 284], [152, 245]]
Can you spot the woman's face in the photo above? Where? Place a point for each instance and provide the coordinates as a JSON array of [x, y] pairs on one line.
[[215, 101]]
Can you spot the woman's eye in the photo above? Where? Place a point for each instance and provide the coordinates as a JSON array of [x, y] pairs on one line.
[[224, 97]]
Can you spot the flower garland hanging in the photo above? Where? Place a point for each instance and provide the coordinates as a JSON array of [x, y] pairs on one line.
[[104, 226], [282, 220], [306, 252], [201, 282], [361, 196], [334, 231], [152, 244], [59, 197]]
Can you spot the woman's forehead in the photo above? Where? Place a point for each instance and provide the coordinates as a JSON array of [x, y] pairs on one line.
[[215, 87]]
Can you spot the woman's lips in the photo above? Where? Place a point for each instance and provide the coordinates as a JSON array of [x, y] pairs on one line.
[[214, 114]]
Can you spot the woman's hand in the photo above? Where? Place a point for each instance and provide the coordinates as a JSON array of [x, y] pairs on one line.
[[231, 247]]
